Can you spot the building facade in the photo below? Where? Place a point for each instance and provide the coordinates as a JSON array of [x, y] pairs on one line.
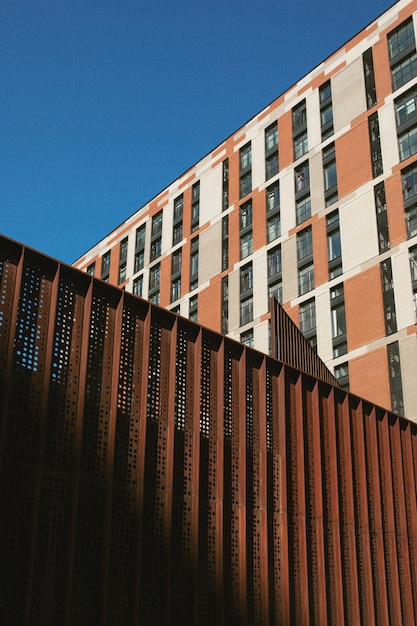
[[314, 201], [153, 472]]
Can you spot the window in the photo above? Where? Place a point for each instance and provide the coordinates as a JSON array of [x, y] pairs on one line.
[[247, 338], [193, 309], [246, 229], [194, 264], [245, 184], [326, 110], [396, 388], [154, 282], [305, 261], [177, 225], [303, 210], [411, 221], [275, 290], [304, 243], [307, 313], [122, 273], [271, 151], [341, 373], [409, 184], [225, 200], [272, 197], [140, 237], [299, 117], [413, 268], [273, 227], [176, 261], [274, 273], [175, 289], [154, 277], [105, 265], [300, 145], [195, 206], [156, 248], [368, 72], [274, 261], [334, 246], [176, 264], [329, 174], [123, 250], [178, 207], [374, 138], [406, 119], [402, 54], [299, 130], [177, 233], [338, 320], [302, 192], [225, 243], [305, 278], [225, 305], [91, 269], [408, 143], [140, 248], [246, 311], [245, 161], [123, 260], [302, 178], [156, 236], [246, 215], [138, 286], [388, 297], [157, 224], [381, 218], [245, 245], [271, 137], [246, 278], [273, 215]]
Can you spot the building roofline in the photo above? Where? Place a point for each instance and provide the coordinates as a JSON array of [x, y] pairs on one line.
[[236, 131]]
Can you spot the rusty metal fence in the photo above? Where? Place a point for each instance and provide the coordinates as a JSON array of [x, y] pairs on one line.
[[154, 472]]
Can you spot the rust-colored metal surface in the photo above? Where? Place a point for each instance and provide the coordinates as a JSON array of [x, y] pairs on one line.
[[154, 472], [290, 346]]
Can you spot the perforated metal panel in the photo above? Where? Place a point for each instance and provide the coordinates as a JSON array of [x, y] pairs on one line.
[[155, 472]]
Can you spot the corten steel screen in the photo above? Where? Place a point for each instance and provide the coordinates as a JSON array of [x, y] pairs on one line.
[[154, 472]]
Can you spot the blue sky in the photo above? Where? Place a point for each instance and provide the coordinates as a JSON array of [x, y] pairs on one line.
[[103, 103]]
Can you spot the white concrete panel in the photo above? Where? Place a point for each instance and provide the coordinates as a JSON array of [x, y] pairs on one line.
[[260, 287], [358, 231], [261, 336], [388, 134], [130, 253], [167, 223], [234, 301], [211, 194], [210, 253], [348, 94], [289, 269], [258, 160], [316, 183], [323, 322], [402, 289], [313, 119], [287, 199]]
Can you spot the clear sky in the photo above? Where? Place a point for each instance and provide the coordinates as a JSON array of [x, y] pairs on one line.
[[103, 103]]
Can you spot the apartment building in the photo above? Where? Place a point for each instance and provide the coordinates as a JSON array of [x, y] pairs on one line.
[[313, 201]]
